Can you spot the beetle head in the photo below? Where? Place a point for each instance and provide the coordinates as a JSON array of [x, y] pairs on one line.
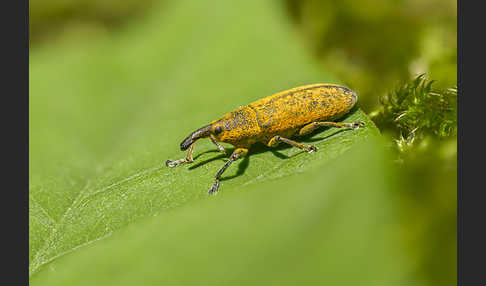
[[217, 129], [220, 129]]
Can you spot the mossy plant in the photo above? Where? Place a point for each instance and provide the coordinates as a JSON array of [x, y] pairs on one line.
[[415, 113]]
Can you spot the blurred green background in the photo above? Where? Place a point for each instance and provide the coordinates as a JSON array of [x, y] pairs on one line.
[[115, 86]]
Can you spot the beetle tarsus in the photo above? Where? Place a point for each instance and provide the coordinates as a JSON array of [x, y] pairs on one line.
[[311, 149], [214, 187], [171, 163], [357, 125], [187, 159]]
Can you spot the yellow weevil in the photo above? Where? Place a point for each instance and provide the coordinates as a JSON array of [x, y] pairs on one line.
[[274, 119]]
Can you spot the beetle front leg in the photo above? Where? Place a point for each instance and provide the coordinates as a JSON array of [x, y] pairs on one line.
[[277, 139], [220, 148], [187, 159], [309, 128], [237, 154]]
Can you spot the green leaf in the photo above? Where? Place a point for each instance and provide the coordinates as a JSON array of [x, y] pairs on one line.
[[106, 115], [335, 224]]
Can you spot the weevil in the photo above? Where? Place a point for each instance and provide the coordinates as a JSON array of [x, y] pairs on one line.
[[274, 119]]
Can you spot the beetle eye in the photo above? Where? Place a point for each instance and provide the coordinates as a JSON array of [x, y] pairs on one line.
[[218, 130]]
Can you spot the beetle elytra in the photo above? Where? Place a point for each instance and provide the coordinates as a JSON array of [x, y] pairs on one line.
[[274, 119]]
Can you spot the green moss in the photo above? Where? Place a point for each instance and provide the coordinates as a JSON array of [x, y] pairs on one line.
[[415, 112]]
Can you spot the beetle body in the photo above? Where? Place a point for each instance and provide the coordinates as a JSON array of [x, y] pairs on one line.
[[284, 113], [275, 118]]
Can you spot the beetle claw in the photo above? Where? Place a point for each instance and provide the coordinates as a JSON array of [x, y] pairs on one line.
[[357, 125], [214, 188], [170, 163], [311, 149]]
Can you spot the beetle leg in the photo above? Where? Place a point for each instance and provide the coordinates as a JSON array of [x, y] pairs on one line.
[[277, 139], [309, 128], [187, 159], [220, 148], [237, 154]]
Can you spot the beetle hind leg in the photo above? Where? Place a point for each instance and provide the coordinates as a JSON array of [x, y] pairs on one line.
[[187, 159], [277, 139], [309, 128]]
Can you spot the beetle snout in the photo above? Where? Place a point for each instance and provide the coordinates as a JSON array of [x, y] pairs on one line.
[[200, 133], [186, 143]]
